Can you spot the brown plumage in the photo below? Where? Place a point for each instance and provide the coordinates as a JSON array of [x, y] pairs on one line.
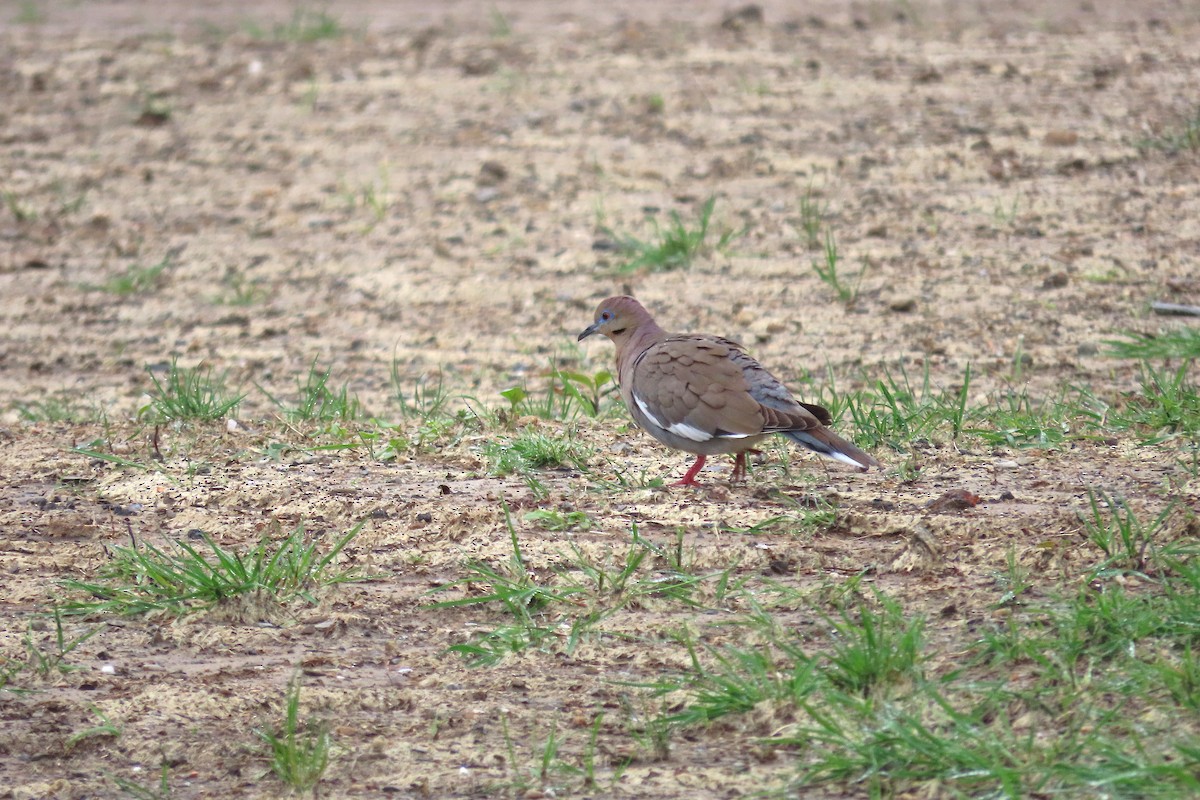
[[706, 395]]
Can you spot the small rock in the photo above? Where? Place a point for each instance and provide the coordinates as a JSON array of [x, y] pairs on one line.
[[741, 18], [1072, 166], [491, 173], [1060, 138], [903, 305], [153, 118], [927, 75], [486, 195], [1056, 280], [480, 64], [954, 500]]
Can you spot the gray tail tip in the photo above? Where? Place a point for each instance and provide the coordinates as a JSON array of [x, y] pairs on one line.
[[832, 446]]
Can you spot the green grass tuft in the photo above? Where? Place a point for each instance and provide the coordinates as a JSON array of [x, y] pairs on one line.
[[242, 291], [136, 279], [516, 589], [106, 727], [1182, 343], [140, 791], [566, 396], [299, 753], [672, 247], [845, 288], [21, 211], [59, 408], [424, 401], [182, 577], [44, 658], [316, 401], [533, 450], [812, 217], [190, 395], [900, 411], [1185, 136], [874, 648], [306, 25]]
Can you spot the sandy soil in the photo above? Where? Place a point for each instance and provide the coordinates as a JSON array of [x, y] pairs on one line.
[[431, 193]]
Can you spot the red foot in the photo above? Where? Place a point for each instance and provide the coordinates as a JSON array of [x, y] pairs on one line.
[[739, 465], [739, 468], [690, 478]]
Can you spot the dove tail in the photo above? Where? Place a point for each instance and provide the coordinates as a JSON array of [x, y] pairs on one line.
[[829, 444]]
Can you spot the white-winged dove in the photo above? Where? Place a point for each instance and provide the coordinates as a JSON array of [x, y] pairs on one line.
[[706, 395]]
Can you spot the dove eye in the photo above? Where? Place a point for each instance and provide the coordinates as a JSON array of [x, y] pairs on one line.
[[605, 316]]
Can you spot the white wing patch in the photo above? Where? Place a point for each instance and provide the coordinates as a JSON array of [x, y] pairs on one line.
[[682, 429], [649, 414], [688, 432]]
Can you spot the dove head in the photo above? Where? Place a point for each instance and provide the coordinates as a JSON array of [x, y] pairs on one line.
[[620, 318]]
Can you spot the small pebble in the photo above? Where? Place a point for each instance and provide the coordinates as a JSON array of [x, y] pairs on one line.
[[1056, 281], [491, 173], [1060, 138]]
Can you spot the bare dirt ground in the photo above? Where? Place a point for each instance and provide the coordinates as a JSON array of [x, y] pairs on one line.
[[328, 200]]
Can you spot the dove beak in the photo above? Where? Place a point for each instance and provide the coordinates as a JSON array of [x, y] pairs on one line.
[[588, 331]]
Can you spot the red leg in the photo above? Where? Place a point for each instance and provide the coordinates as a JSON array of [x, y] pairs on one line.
[[690, 478], [739, 465]]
